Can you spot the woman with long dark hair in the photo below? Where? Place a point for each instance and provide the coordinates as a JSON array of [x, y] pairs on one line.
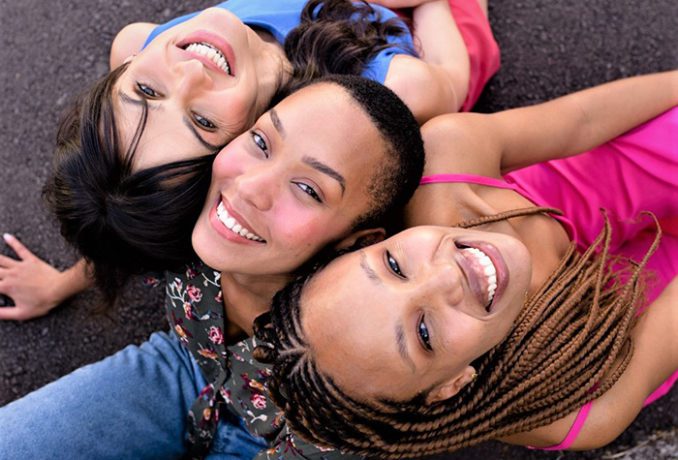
[[134, 153]]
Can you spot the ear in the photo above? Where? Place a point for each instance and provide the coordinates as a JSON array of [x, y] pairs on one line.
[[361, 238], [451, 387]]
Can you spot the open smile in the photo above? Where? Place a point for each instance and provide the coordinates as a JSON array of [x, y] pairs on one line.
[[230, 222], [212, 50], [485, 270]]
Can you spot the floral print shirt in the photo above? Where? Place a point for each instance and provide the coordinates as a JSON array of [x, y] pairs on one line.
[[236, 381]]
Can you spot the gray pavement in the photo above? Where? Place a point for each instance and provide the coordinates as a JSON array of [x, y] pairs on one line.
[[50, 51]]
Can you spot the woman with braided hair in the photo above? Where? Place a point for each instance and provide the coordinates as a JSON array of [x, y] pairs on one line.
[[522, 329]]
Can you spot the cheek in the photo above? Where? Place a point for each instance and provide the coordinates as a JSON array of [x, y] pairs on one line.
[[303, 229], [235, 106], [469, 339]]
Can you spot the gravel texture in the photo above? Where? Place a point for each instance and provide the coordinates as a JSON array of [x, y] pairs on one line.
[[50, 51]]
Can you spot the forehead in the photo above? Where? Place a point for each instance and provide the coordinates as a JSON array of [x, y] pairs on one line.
[[326, 116], [166, 136], [352, 336]]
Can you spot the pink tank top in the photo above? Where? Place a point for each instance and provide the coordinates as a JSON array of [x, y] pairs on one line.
[[523, 183]]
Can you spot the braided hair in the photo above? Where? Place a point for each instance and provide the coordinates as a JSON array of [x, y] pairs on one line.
[[569, 344]]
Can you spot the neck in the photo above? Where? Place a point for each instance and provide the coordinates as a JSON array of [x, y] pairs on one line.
[[248, 296]]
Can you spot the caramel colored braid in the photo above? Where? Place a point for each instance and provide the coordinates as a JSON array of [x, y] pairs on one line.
[[569, 345]]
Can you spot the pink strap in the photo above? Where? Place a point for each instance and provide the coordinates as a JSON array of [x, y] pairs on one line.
[[574, 430], [466, 178]]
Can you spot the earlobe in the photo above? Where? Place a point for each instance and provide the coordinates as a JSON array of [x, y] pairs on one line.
[[362, 238], [451, 387]]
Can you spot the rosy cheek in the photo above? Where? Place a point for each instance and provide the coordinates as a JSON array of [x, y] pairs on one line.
[[301, 228]]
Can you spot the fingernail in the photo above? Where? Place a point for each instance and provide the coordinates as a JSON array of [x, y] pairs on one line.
[[6, 236]]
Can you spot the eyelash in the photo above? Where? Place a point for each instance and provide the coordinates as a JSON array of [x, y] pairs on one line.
[[394, 266], [423, 334], [201, 122], [260, 142], [146, 91], [310, 191]]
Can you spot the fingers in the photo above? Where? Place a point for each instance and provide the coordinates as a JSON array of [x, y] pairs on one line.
[[20, 250], [13, 314], [6, 262]]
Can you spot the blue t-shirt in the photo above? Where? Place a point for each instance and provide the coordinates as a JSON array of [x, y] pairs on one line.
[[278, 17]]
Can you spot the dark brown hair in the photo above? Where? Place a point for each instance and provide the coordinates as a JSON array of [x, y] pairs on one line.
[[568, 346], [127, 222]]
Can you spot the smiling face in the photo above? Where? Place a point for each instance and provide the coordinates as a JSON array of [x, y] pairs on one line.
[[205, 81], [295, 182], [410, 314]]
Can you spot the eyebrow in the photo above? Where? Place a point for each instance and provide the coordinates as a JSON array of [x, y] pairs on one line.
[[325, 169], [137, 102], [277, 124], [312, 162], [371, 274], [402, 347]]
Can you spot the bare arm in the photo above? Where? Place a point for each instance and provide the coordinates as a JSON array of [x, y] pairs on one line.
[[35, 286], [580, 121], [128, 42], [654, 359], [494, 144], [437, 83]]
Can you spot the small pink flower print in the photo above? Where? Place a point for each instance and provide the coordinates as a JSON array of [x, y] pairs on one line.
[[188, 311], [194, 293], [216, 336], [191, 272], [219, 298], [259, 401]]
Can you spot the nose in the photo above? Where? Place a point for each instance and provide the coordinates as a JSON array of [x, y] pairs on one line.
[[192, 77], [258, 186], [443, 284]]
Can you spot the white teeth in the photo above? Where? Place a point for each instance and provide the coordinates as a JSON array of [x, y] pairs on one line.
[[489, 270], [234, 226], [212, 53]]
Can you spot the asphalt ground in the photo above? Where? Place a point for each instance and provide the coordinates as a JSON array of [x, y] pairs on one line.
[[50, 51]]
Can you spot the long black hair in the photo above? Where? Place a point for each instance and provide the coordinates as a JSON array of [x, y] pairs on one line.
[[126, 222]]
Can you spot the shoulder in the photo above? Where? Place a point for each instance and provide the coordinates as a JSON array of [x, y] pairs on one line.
[[425, 89], [463, 143], [129, 41]]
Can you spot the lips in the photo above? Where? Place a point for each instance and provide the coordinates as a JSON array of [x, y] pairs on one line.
[[199, 45], [485, 270], [210, 52], [232, 226]]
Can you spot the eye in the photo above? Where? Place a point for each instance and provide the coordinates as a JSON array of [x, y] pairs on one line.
[[147, 91], [204, 122], [394, 266], [310, 191], [260, 142], [424, 336]]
